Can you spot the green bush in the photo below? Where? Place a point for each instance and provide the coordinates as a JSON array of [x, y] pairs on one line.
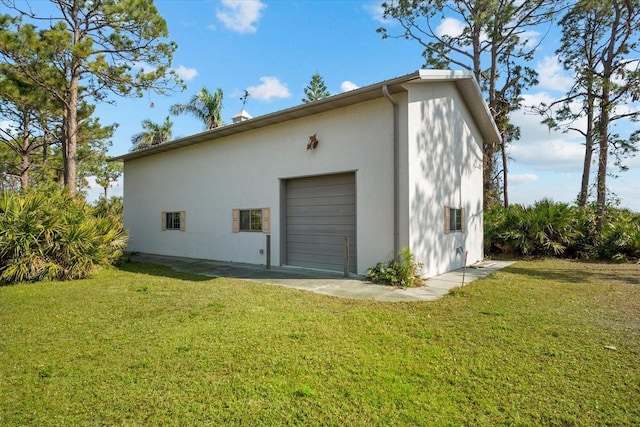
[[112, 207], [403, 271], [546, 228], [46, 234], [620, 239], [558, 229]]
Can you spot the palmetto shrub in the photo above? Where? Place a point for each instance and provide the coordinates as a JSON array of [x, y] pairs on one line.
[[111, 207], [558, 229], [546, 228], [620, 240], [46, 235]]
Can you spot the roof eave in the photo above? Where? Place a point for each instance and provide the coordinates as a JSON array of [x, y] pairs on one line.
[[465, 82]]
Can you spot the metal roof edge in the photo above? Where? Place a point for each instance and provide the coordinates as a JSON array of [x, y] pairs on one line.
[[343, 99], [335, 101]]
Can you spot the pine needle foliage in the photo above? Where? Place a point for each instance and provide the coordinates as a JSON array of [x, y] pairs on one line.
[[316, 89]]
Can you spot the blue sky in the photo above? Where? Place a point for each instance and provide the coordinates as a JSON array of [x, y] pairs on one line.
[[272, 48]]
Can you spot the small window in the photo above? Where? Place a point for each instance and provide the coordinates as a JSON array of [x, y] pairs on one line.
[[173, 220], [454, 220], [252, 220]]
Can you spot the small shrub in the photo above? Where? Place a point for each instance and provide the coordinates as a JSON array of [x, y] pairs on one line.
[[560, 230], [403, 271], [45, 234], [109, 208]]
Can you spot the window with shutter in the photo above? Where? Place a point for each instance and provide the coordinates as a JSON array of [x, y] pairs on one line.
[[174, 220], [454, 220], [252, 220]]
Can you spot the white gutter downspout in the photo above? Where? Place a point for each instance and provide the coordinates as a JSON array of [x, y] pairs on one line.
[[396, 171]]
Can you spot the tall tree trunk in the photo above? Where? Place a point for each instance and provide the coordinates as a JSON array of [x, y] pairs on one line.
[[70, 142], [25, 161], [45, 155], [588, 152], [603, 135], [505, 186], [608, 58], [25, 164]]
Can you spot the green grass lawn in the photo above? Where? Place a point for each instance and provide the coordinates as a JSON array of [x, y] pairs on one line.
[[146, 346]]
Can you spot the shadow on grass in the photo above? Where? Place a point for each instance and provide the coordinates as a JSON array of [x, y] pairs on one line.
[[582, 272], [160, 270]]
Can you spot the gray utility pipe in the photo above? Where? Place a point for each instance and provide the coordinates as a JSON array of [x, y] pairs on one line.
[[396, 171]]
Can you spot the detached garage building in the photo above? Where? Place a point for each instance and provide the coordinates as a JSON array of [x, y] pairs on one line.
[[392, 165]]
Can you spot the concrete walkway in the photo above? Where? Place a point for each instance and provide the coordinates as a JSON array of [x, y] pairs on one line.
[[323, 282]]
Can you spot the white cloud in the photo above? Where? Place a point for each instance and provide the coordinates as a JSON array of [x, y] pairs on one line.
[[628, 190], [143, 66], [552, 75], [271, 87], [186, 73], [95, 191], [558, 155], [376, 11], [532, 38], [7, 125], [516, 179], [346, 86], [529, 120], [541, 148], [450, 27], [240, 16]]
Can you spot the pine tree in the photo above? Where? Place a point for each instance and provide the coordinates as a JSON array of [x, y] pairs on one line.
[[493, 46], [316, 89], [95, 46]]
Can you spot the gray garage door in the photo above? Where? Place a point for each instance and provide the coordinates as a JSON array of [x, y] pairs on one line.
[[321, 213]]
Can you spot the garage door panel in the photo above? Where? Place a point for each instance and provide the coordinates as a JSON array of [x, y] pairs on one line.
[[320, 181], [318, 239], [329, 266], [310, 259], [343, 230], [320, 213], [346, 199], [318, 248], [326, 220]]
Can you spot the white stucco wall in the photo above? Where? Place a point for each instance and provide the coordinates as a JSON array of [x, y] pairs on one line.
[[208, 180], [444, 168]]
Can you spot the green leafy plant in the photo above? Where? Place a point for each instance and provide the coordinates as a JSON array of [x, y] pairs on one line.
[[111, 207], [403, 271], [560, 230], [46, 234]]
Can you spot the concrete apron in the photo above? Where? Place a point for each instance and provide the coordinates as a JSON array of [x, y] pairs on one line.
[[326, 282]]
